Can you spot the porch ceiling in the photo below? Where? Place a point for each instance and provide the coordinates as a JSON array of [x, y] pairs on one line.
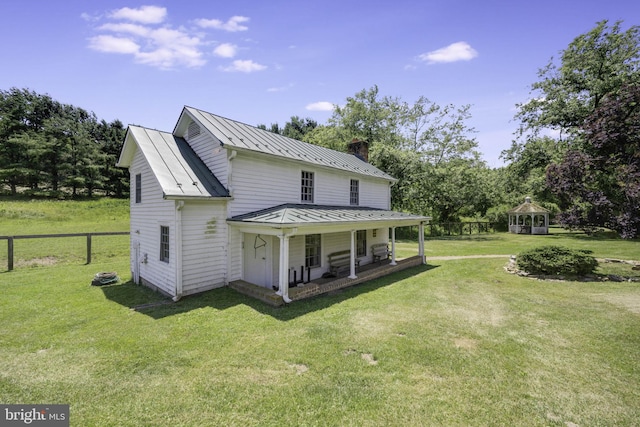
[[299, 215]]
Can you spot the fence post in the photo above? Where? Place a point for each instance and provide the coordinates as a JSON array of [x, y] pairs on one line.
[[10, 253], [88, 248]]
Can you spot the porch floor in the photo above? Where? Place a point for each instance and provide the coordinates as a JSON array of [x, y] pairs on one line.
[[321, 286]]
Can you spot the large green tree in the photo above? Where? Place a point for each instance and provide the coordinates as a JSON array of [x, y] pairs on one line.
[[430, 150], [47, 146], [599, 184], [109, 137], [23, 118], [594, 65], [553, 130]]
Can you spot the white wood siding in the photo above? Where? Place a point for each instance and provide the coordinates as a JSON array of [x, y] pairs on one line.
[[234, 263], [146, 219], [213, 156], [263, 182], [204, 250]]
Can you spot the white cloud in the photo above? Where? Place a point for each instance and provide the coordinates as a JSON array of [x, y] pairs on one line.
[[232, 25], [459, 51], [135, 31], [111, 44], [226, 50], [244, 66], [281, 88], [145, 14], [163, 47], [320, 106]]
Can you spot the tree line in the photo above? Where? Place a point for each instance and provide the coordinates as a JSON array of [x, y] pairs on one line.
[[54, 149], [576, 152]]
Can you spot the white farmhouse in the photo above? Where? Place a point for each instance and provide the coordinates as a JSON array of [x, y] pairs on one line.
[[217, 202]]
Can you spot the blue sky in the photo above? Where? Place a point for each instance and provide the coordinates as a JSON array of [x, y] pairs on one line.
[[261, 62]]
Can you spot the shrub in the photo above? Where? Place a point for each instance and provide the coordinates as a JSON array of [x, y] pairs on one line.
[[557, 260]]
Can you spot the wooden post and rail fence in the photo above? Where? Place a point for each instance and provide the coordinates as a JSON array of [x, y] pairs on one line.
[[431, 230], [89, 236]]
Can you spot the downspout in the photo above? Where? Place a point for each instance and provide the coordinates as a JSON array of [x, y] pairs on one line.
[[228, 208], [179, 206]]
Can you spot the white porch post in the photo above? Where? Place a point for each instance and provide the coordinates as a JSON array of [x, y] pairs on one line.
[[421, 243], [353, 255], [532, 220], [283, 289], [393, 246]]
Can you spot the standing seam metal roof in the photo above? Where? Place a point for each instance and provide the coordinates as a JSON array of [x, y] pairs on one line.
[[180, 172], [239, 135], [298, 214]]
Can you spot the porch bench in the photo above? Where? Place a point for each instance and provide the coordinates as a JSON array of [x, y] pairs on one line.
[[380, 251], [340, 260]]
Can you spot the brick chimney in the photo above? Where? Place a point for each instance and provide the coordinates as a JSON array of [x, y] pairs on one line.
[[359, 148]]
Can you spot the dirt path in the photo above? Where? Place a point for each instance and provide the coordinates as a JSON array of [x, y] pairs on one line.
[[445, 258]]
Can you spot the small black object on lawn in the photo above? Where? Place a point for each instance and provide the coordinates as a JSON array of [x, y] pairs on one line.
[[101, 279]]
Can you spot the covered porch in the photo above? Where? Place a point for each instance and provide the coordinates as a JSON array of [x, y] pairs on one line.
[[325, 285], [276, 241]]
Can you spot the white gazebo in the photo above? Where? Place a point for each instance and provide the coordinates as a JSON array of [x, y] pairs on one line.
[[529, 218]]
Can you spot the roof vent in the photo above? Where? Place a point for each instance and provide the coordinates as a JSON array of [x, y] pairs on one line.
[[193, 130]]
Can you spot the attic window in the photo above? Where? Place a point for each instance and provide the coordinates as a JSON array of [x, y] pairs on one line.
[[193, 131]]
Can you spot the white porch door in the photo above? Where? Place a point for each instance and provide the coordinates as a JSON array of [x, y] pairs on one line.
[[257, 259]]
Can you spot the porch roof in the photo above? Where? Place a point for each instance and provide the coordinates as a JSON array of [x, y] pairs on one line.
[[296, 215]]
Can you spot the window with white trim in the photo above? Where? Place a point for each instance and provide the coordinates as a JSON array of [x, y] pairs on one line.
[[312, 250], [164, 243], [354, 193], [138, 188], [306, 188]]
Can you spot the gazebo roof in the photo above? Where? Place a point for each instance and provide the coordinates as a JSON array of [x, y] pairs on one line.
[[528, 208]]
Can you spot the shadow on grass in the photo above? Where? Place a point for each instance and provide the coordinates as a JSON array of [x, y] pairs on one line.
[[154, 305]]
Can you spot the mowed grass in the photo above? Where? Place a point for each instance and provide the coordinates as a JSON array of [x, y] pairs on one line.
[[602, 244], [456, 342], [19, 216]]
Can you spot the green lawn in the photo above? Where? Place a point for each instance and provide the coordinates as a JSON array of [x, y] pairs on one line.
[[23, 216], [457, 342], [603, 245]]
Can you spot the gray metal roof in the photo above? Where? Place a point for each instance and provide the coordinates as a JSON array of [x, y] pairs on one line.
[[180, 172], [299, 214], [242, 136]]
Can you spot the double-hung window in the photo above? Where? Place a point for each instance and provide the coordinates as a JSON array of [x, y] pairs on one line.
[[354, 193], [312, 250], [164, 243], [306, 189], [138, 188]]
